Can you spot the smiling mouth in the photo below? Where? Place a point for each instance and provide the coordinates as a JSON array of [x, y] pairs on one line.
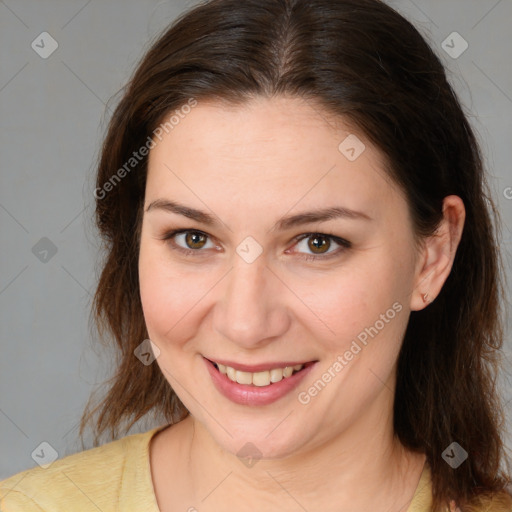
[[261, 378]]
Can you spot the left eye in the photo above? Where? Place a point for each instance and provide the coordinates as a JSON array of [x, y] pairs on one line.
[[319, 244]]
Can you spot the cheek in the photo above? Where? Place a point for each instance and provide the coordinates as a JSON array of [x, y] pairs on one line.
[[339, 299], [169, 297], [345, 305]]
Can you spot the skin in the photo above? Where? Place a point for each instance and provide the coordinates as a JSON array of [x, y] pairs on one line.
[[249, 166]]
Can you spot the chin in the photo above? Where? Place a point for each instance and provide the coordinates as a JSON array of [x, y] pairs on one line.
[[258, 440]]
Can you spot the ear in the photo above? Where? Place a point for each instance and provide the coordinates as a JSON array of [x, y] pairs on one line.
[[435, 259]]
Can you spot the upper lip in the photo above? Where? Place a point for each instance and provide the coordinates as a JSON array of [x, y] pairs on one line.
[[258, 367]]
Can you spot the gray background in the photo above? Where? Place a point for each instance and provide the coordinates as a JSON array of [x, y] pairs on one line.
[[53, 113]]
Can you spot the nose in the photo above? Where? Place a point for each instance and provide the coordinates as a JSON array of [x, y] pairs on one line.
[[252, 309]]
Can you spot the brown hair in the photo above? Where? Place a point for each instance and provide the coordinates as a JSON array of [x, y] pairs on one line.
[[349, 57]]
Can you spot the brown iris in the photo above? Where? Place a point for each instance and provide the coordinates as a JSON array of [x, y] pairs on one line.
[[316, 242], [195, 240]]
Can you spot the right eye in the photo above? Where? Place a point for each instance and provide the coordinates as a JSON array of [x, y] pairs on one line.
[[188, 241]]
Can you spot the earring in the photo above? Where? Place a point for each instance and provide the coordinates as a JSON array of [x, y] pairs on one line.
[[426, 298]]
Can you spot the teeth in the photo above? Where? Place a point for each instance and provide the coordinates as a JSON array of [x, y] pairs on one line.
[[276, 375], [231, 373], [263, 378], [287, 371], [243, 377]]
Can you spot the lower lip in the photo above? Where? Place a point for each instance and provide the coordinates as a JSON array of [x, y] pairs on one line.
[[255, 395]]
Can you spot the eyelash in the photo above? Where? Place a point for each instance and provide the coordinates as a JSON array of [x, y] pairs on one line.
[[344, 244]]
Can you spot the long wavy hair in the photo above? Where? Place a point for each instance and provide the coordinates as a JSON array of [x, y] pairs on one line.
[[362, 61]]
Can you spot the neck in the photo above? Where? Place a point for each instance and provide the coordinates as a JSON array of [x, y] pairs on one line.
[[363, 468]]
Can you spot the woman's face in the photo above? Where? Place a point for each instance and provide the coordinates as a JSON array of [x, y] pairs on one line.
[[259, 191]]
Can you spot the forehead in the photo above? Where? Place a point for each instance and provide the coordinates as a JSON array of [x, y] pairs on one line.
[[267, 150]]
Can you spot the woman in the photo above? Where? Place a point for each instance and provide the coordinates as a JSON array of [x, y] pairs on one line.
[[302, 276]]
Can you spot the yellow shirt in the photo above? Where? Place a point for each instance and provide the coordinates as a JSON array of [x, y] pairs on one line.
[[112, 477]]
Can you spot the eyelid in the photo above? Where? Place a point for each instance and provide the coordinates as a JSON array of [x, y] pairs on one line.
[[344, 244]]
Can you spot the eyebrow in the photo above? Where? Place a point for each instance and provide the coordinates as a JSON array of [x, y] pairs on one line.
[[318, 215]]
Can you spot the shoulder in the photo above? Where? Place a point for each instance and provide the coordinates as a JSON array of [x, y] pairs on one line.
[[483, 502], [499, 502], [93, 479]]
